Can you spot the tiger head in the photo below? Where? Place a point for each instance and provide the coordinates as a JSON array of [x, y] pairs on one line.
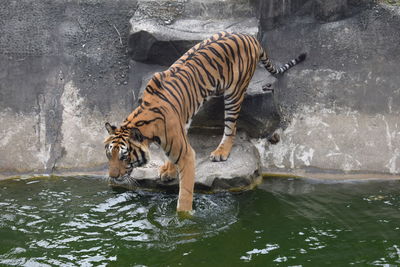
[[126, 148]]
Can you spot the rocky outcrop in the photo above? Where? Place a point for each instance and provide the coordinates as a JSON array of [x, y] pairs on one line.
[[161, 31], [241, 171]]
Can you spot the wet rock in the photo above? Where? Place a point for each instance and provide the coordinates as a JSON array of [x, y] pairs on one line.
[[240, 171]]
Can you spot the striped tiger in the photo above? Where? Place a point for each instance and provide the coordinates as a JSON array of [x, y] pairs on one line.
[[221, 65]]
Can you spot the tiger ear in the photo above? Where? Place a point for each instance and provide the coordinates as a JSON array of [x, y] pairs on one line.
[[136, 135], [110, 128]]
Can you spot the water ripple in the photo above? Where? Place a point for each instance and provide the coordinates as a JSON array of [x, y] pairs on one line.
[[63, 223], [83, 222]]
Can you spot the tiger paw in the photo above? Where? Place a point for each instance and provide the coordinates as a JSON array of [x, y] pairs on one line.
[[168, 172], [219, 155]]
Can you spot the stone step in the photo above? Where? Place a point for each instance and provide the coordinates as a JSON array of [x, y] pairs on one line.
[[162, 31], [241, 171]]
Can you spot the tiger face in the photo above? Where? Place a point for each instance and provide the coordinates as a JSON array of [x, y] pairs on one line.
[[125, 149]]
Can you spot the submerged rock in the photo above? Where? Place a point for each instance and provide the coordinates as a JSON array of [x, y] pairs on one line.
[[239, 172]]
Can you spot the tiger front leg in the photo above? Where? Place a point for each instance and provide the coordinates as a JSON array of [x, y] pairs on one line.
[[186, 169], [168, 171]]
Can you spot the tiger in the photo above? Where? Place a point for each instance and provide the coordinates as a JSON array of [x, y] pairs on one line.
[[222, 65]]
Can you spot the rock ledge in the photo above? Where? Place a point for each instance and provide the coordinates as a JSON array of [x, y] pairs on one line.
[[241, 171], [175, 26]]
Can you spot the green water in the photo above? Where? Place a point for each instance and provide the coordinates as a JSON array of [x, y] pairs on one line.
[[285, 222]]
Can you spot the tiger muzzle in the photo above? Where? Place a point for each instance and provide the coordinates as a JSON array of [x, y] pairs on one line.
[[115, 173], [118, 170]]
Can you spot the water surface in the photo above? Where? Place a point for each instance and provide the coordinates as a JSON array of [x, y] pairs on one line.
[[73, 221]]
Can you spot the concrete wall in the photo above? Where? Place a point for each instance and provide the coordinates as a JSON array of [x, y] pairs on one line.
[[63, 73], [65, 70], [341, 110]]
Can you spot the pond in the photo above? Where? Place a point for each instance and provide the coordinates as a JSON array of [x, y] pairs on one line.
[[81, 221]]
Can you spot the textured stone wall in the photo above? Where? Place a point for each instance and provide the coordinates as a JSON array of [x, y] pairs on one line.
[[340, 110], [66, 68], [63, 73]]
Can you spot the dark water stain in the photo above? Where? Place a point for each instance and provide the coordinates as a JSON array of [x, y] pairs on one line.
[[81, 221]]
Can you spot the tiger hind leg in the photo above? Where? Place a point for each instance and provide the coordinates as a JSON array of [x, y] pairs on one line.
[[233, 102], [168, 171]]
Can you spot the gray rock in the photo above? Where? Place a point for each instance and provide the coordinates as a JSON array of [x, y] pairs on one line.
[[61, 68], [275, 13], [241, 170], [338, 108], [162, 31]]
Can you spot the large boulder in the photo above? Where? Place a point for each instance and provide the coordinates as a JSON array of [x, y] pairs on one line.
[[241, 170]]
